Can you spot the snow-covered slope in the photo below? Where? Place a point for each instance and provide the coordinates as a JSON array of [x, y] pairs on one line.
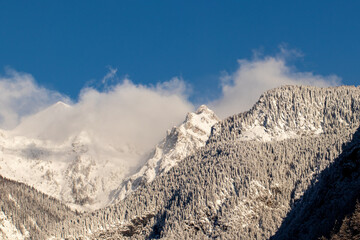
[[179, 143], [80, 171], [75, 172], [8, 231]]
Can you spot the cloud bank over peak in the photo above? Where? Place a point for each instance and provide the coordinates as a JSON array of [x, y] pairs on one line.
[[241, 89], [133, 114], [127, 118]]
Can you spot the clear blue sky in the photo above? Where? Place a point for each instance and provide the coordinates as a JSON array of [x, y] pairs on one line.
[[66, 44]]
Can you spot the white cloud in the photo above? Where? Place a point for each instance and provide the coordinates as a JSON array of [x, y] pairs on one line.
[[242, 89], [21, 96], [132, 115], [110, 75], [176, 86]]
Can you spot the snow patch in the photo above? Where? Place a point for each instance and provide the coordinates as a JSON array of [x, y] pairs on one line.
[[8, 231]]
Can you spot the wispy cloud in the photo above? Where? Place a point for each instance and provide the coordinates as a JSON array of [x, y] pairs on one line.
[[241, 89], [109, 76]]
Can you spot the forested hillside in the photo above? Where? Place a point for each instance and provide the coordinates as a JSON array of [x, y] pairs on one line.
[[30, 211], [241, 190], [326, 203]]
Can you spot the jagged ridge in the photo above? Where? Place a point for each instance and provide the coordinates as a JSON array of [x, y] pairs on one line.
[[180, 142], [292, 111]]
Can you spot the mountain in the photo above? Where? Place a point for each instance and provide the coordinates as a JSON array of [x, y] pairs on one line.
[[83, 172], [286, 168], [180, 142], [239, 186]]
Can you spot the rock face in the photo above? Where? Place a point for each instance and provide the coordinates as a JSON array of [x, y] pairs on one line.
[[180, 142]]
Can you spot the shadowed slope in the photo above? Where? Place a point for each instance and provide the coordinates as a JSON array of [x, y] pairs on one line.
[[326, 203]]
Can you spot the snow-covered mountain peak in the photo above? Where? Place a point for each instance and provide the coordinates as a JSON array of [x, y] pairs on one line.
[[179, 143], [61, 104], [46, 124], [50, 111], [199, 123], [204, 108]]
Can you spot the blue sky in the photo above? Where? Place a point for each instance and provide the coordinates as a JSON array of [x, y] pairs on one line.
[[67, 45]]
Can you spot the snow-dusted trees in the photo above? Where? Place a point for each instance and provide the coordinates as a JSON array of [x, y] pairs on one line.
[[32, 212], [298, 109], [237, 189]]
